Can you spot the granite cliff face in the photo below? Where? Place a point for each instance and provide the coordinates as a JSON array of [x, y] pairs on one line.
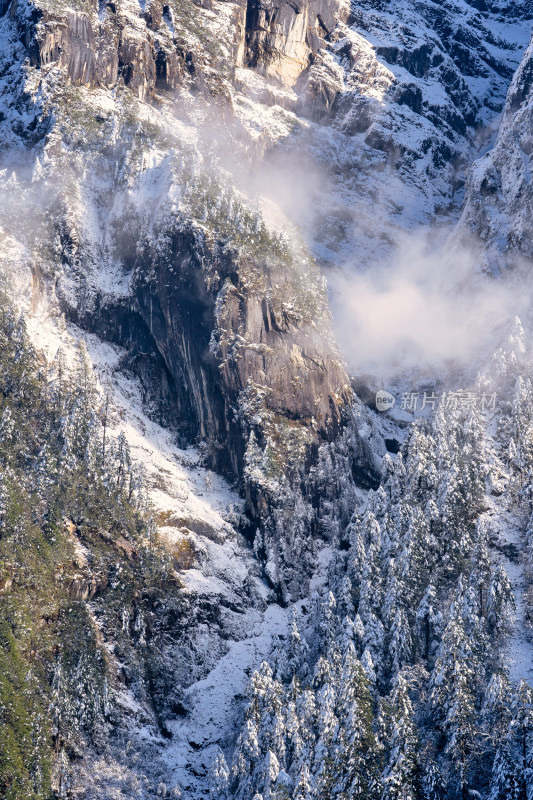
[[225, 320], [284, 39], [149, 48], [102, 44]]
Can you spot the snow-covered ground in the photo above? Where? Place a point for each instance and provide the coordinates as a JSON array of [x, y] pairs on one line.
[[507, 545], [198, 505], [215, 701]]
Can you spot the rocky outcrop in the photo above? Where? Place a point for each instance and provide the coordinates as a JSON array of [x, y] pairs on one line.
[[110, 46], [432, 45], [217, 337], [282, 38], [240, 351], [262, 375]]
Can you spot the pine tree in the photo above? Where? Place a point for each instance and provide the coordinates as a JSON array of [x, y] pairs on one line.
[[303, 790], [356, 760], [356, 558], [369, 669], [219, 777], [480, 567], [396, 485], [327, 622], [496, 709], [122, 461], [345, 600], [401, 777], [522, 416], [453, 502], [371, 596], [474, 461], [428, 624], [420, 467], [245, 760], [505, 781], [295, 745], [269, 771], [400, 644], [453, 697], [418, 556], [48, 430], [263, 734], [434, 786], [306, 712], [500, 604], [520, 738], [326, 684]]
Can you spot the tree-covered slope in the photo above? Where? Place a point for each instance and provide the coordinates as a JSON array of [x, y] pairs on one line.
[[78, 550], [409, 677]]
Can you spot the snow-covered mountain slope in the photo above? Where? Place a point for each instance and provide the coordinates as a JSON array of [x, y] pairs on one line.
[[231, 620], [243, 357], [402, 98], [167, 174], [498, 203]]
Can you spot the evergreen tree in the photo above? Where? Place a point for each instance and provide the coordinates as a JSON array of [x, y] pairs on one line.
[[433, 784], [325, 681], [219, 777], [421, 470], [496, 709], [520, 739], [356, 759], [303, 790], [356, 557], [401, 777], [428, 624], [453, 697], [500, 604], [400, 645], [505, 782]]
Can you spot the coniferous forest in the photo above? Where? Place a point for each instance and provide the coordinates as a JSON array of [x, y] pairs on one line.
[[393, 684], [72, 505], [266, 400]]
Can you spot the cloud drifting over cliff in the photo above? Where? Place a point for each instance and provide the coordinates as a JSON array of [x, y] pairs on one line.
[[424, 310]]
